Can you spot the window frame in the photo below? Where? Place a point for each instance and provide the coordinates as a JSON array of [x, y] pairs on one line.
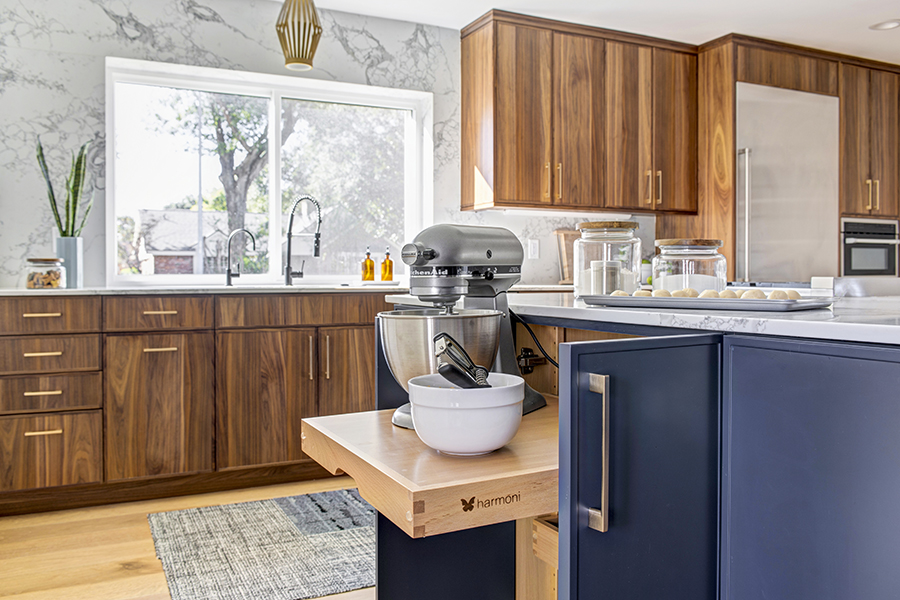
[[418, 169]]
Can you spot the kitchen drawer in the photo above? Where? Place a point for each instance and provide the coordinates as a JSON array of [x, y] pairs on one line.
[[49, 315], [50, 450], [335, 309], [43, 393], [545, 539], [49, 354], [154, 313], [261, 310]]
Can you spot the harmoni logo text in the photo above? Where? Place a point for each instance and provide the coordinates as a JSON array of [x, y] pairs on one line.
[[473, 502]]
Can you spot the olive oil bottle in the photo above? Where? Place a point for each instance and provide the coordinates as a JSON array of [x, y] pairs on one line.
[[368, 267], [387, 266]]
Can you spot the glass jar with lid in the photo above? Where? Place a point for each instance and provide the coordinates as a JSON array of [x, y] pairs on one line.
[[689, 263], [606, 258], [43, 273]]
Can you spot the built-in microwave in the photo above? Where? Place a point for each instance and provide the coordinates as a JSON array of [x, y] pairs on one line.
[[869, 247]]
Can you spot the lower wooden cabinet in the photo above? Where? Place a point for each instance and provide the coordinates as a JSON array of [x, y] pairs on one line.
[[50, 450], [266, 384], [159, 404], [347, 369]]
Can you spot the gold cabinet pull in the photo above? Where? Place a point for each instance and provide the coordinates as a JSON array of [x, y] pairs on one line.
[[869, 186], [327, 357], [649, 187], [49, 393], [40, 315], [311, 352], [549, 178], [659, 189], [39, 354], [48, 432], [877, 194], [558, 181], [598, 518], [160, 312], [169, 349]]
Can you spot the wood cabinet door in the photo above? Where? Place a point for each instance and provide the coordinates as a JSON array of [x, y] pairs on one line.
[[674, 130], [854, 155], [578, 124], [346, 369], [884, 137], [629, 111], [523, 115], [159, 404], [266, 385]]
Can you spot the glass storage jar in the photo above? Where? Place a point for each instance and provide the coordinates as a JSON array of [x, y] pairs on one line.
[[689, 263], [44, 273], [607, 257]]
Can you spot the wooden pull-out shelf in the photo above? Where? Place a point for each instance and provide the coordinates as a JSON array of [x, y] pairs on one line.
[[423, 492]]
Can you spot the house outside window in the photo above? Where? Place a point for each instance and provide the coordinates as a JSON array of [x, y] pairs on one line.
[[189, 162]]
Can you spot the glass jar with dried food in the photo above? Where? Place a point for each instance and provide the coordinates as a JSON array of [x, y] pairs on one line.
[[43, 273]]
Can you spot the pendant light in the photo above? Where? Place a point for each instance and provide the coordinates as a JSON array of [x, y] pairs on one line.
[[299, 31]]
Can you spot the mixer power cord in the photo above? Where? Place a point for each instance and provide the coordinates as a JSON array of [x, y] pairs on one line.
[[516, 318]]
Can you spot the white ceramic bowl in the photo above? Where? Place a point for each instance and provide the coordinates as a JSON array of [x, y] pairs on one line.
[[466, 422]]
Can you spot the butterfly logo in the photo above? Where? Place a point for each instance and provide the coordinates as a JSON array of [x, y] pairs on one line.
[[468, 505]]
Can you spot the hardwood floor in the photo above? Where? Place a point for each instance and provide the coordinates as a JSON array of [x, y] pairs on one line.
[[106, 552]]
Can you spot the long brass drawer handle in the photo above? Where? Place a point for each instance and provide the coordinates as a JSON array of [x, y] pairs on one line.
[[549, 180], [311, 352], [558, 181], [327, 357], [649, 187], [659, 192], [598, 518], [48, 432], [877, 194], [49, 393], [40, 315], [169, 349], [869, 186], [160, 312], [39, 354]]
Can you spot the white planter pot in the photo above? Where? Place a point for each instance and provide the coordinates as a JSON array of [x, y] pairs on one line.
[[71, 250]]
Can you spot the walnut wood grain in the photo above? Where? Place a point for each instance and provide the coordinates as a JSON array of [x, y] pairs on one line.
[[159, 406], [266, 384], [578, 125], [787, 70], [523, 111], [50, 450], [477, 147], [334, 309], [260, 310], [420, 490], [154, 313], [49, 354], [43, 393], [674, 131], [629, 106], [854, 141], [346, 369], [884, 140], [36, 315]]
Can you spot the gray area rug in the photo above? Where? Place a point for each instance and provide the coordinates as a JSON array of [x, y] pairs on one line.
[[281, 549]]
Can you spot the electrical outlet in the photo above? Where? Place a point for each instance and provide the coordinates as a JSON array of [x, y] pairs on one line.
[[534, 249]]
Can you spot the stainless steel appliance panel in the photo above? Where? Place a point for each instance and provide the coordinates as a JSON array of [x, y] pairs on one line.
[[787, 176]]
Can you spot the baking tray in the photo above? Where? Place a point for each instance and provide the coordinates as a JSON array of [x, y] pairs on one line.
[[710, 303]]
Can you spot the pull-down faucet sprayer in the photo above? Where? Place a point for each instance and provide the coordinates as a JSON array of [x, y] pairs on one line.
[[288, 273]]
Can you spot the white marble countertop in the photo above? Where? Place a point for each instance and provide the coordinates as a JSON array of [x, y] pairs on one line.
[[875, 319]]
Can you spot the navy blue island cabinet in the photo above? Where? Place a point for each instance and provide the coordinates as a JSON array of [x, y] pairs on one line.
[[729, 467]]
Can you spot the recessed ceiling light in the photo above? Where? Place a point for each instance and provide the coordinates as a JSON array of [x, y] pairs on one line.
[[892, 24]]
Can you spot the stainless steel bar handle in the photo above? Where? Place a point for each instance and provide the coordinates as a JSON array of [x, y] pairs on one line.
[[869, 187], [327, 357], [659, 190], [747, 200], [311, 352], [598, 518], [875, 242], [649, 175]]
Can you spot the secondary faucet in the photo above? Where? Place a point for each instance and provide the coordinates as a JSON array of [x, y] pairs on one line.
[[228, 273], [288, 273]]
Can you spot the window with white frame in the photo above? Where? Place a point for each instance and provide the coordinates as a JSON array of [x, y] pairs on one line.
[[190, 160]]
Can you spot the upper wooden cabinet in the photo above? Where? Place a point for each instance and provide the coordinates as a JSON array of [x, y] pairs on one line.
[[556, 115], [870, 101]]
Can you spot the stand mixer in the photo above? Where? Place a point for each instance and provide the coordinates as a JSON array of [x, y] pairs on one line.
[[448, 262]]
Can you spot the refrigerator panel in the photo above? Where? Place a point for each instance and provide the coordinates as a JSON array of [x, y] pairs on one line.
[[787, 183]]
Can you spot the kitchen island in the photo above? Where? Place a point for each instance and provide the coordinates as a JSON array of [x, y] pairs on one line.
[[730, 454]]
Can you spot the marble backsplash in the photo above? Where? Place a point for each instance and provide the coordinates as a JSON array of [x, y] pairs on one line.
[[52, 85]]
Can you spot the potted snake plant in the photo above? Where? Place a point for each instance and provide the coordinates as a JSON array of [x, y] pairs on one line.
[[69, 244]]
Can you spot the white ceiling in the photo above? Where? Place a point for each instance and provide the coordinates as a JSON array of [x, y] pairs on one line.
[[835, 25]]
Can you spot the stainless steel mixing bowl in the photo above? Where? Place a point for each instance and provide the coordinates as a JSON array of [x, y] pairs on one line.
[[407, 335]]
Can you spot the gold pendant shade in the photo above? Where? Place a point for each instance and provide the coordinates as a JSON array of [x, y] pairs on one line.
[[299, 31]]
